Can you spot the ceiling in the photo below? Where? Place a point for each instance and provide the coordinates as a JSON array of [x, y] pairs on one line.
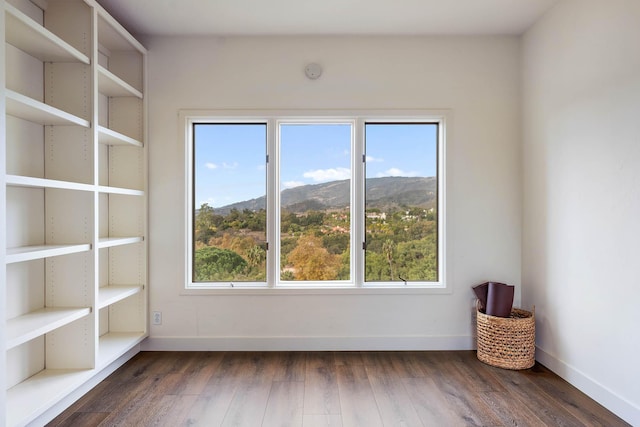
[[327, 17]]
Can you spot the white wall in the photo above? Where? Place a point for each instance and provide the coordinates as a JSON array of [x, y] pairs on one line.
[[581, 238], [478, 79]]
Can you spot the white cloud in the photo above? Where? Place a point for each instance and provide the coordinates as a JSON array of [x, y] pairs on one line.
[[332, 174], [396, 172], [224, 165], [371, 159], [291, 184], [210, 201], [233, 165]]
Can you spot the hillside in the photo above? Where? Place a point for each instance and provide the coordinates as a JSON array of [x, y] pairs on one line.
[[382, 193]]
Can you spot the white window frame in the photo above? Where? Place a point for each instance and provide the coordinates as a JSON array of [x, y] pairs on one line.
[[273, 120]]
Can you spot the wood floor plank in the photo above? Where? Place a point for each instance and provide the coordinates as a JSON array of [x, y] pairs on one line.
[[179, 414], [462, 399], [525, 393], [250, 399], [391, 396], [430, 404], [216, 396], [509, 414], [78, 406], [117, 394], [198, 375], [468, 365], [357, 401], [578, 404], [146, 400], [408, 364], [292, 367], [82, 419], [285, 404], [321, 394], [152, 413], [348, 357], [321, 420]]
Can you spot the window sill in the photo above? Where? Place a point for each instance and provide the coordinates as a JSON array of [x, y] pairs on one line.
[[282, 291]]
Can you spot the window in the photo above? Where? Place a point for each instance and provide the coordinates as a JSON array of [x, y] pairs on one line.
[[315, 202], [229, 212]]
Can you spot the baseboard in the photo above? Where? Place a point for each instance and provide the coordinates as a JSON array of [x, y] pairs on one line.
[[308, 343], [626, 410], [70, 399]]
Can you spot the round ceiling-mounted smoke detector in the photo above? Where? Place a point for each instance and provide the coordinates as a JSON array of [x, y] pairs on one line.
[[313, 70]]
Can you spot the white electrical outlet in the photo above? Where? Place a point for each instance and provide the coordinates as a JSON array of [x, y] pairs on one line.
[[157, 318]]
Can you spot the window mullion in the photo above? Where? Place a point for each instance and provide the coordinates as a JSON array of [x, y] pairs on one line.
[[357, 203], [273, 203]]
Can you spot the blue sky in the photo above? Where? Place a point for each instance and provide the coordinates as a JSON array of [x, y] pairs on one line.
[[230, 158]]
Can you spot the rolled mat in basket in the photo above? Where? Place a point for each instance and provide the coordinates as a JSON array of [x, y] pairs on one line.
[[496, 299], [499, 299], [507, 343]]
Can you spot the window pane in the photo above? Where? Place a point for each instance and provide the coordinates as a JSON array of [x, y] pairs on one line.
[[401, 202], [315, 202], [229, 212]]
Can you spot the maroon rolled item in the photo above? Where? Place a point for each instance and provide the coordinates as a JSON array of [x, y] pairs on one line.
[[499, 299], [481, 292]]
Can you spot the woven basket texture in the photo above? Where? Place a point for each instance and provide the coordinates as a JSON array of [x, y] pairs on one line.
[[507, 342]]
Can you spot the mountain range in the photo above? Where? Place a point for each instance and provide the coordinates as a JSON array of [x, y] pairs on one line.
[[381, 193]]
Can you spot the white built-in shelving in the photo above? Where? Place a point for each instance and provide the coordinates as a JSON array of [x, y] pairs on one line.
[[36, 323], [73, 150], [109, 137], [32, 110], [35, 252], [37, 41]]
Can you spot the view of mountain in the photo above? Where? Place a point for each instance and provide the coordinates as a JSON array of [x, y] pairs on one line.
[[382, 193]]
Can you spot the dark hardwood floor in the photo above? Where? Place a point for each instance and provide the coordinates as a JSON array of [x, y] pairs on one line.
[[330, 389]]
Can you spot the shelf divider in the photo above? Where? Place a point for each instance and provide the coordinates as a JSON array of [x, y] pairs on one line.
[[111, 85], [34, 39], [110, 137], [40, 392], [23, 107], [109, 242], [27, 181], [111, 294], [32, 325], [114, 344], [29, 253], [122, 191]]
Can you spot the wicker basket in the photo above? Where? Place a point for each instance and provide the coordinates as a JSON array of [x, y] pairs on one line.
[[507, 342]]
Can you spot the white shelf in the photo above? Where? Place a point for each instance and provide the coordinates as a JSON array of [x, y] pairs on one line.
[[32, 38], [27, 181], [111, 294], [29, 253], [114, 344], [111, 85], [32, 325], [35, 395], [110, 137], [56, 90], [29, 109], [113, 36], [109, 242], [122, 191]]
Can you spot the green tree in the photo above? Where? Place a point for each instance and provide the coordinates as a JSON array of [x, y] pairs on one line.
[[256, 256], [205, 224], [214, 265], [388, 248]]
